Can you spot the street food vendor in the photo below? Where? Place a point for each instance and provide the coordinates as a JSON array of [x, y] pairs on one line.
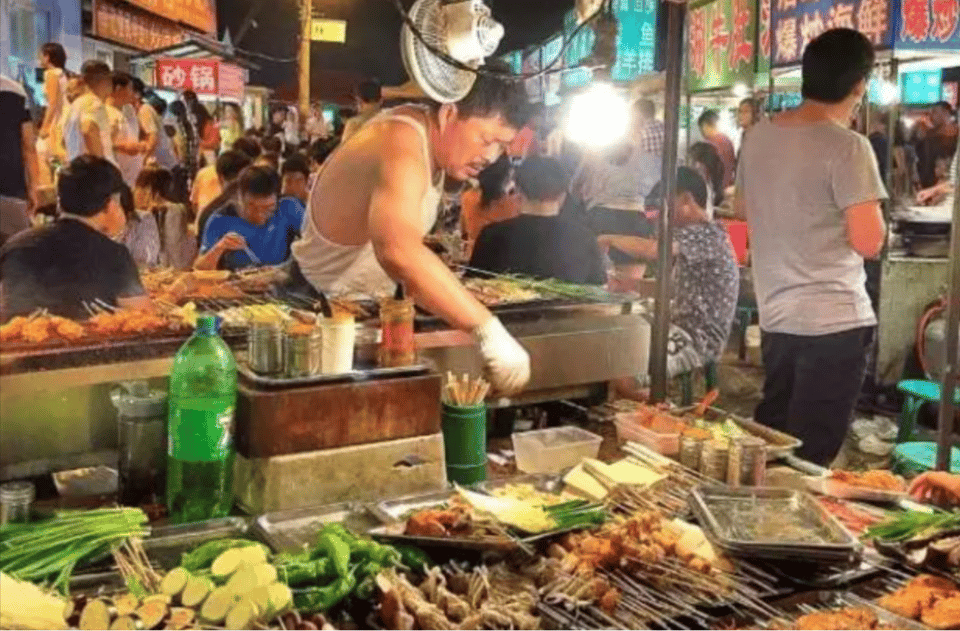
[[76, 259], [377, 196]]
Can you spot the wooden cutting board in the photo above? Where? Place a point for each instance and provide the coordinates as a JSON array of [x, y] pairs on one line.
[[282, 422]]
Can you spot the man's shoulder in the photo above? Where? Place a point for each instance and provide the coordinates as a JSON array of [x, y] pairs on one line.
[[12, 87]]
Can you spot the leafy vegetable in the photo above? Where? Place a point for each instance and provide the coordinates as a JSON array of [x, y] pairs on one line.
[[912, 524]]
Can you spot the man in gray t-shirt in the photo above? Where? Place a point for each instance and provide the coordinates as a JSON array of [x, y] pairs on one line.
[[810, 190]]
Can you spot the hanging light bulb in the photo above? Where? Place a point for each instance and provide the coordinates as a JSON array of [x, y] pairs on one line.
[[597, 117]]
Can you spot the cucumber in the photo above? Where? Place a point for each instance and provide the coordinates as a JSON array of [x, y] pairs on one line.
[[174, 582], [196, 591], [254, 554], [242, 616], [280, 598], [243, 581], [265, 574], [227, 563], [261, 598]]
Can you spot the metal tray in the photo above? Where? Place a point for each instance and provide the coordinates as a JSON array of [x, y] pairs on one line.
[[825, 485], [361, 374], [717, 509], [164, 547], [823, 601], [295, 529], [779, 444]]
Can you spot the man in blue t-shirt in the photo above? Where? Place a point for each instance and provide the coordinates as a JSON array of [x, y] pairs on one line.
[[253, 229]]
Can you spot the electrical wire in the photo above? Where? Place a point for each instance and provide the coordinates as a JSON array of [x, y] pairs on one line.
[[493, 73]]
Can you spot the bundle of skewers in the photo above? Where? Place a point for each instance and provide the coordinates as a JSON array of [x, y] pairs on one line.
[[465, 391]]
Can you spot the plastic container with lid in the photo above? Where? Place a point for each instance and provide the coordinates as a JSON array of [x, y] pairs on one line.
[[555, 449], [661, 439], [142, 438]]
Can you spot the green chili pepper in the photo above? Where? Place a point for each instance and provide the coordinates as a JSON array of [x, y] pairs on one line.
[[364, 590], [413, 557], [319, 599], [337, 551], [306, 572]]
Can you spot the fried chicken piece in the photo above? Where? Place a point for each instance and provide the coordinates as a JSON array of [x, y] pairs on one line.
[[67, 329], [907, 603], [609, 601], [425, 524], [12, 329], [943, 614], [860, 618], [825, 621], [36, 331], [698, 564], [936, 583], [666, 540]]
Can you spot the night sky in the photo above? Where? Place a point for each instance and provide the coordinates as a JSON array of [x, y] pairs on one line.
[[373, 32]]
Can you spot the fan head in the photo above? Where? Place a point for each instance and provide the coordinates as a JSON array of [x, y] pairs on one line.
[[463, 29]]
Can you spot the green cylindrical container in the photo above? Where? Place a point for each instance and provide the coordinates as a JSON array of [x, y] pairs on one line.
[[465, 443]]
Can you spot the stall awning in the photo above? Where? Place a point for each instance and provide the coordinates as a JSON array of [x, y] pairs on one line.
[[196, 47]]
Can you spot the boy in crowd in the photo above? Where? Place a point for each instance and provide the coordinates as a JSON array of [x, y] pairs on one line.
[[295, 178], [75, 259], [810, 190], [706, 276], [539, 243], [253, 229]]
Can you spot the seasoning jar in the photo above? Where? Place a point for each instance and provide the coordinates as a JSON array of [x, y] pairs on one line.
[[301, 353], [338, 337], [691, 449], [15, 501], [713, 459], [265, 348], [365, 354], [397, 347], [142, 442], [747, 462]]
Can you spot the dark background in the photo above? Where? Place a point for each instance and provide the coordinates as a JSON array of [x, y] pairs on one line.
[[373, 40]]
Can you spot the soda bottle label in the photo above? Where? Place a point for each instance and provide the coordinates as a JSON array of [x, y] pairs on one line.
[[198, 435]]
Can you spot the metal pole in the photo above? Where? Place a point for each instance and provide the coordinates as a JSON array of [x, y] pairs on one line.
[[675, 15], [306, 16], [689, 118], [951, 372], [893, 117]]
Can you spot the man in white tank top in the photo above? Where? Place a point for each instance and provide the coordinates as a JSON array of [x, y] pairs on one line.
[[377, 196]]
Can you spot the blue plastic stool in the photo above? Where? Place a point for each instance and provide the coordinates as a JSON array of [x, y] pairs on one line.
[[916, 393], [915, 458]]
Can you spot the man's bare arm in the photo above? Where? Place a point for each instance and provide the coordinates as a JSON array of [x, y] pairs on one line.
[[637, 247], [149, 131], [396, 234], [866, 229], [91, 138], [31, 163]]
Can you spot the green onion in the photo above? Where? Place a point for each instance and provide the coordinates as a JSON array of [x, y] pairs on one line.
[[50, 550], [912, 524]]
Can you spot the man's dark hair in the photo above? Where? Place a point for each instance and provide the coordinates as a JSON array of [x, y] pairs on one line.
[[121, 79], [139, 87], [321, 149], [55, 53], [87, 184], [231, 163], [646, 108], [688, 181], [369, 91], [272, 158], [259, 182], [834, 63], [157, 180], [297, 163], [541, 179], [190, 97], [493, 180], [127, 204], [708, 118], [706, 154], [493, 96], [158, 104], [272, 144], [248, 146], [94, 71]]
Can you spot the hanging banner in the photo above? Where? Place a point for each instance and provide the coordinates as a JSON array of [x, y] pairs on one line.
[[577, 50], [722, 51], [763, 43], [929, 25], [132, 27], [796, 23], [206, 77], [636, 38]]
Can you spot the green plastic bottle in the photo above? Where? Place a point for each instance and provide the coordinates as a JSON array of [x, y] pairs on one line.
[[203, 396]]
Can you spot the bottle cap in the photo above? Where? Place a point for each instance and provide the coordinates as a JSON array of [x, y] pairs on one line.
[[209, 324]]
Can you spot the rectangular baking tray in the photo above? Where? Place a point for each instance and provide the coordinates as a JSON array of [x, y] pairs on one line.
[[709, 502], [779, 444], [361, 374], [293, 530], [166, 544], [393, 515], [823, 601], [825, 485]]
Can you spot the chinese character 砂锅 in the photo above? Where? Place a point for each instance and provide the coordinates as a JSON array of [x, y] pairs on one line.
[[173, 77], [202, 79]]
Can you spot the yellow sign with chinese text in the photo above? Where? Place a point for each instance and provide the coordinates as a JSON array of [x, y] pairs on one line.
[[324, 30]]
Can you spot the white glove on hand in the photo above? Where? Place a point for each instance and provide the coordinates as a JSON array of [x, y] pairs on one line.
[[506, 361]]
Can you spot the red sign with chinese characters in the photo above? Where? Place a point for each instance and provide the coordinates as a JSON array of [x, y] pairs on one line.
[[206, 77], [722, 44]]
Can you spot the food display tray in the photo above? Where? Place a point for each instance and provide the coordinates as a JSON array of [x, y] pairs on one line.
[[823, 601], [393, 514], [724, 514], [779, 444], [166, 544], [360, 374], [826, 485], [292, 530]]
